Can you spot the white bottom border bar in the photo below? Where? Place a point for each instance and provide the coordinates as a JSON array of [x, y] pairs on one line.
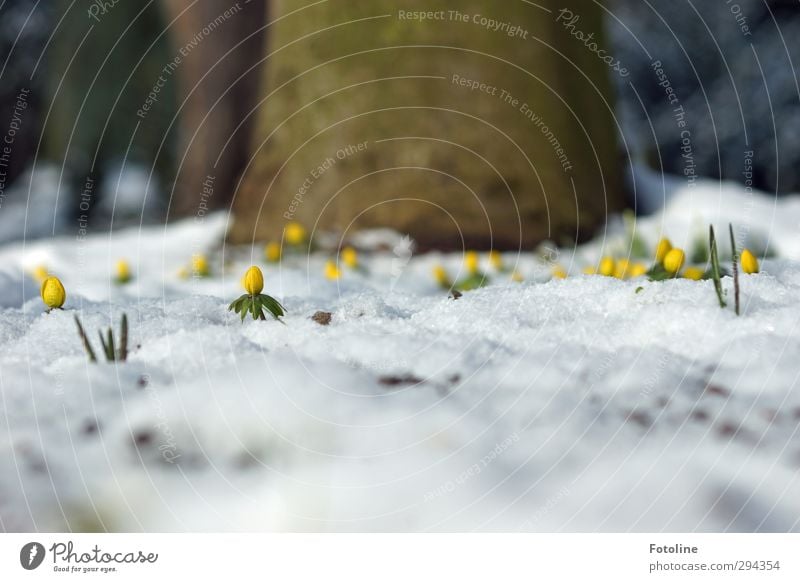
[[400, 557]]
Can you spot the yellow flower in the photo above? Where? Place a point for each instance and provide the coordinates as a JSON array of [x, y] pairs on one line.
[[607, 266], [471, 262], [516, 276], [272, 252], [200, 266], [350, 257], [496, 260], [621, 268], [41, 273], [749, 262], [637, 270], [559, 272], [253, 281], [53, 293], [332, 271], [295, 233], [693, 273], [673, 260], [589, 270], [441, 276], [663, 247], [123, 271]]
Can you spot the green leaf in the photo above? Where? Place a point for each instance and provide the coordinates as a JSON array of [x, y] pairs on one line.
[[244, 306], [122, 352], [236, 306], [475, 281], [86, 345], [735, 269], [658, 273], [272, 305], [111, 351], [715, 270]]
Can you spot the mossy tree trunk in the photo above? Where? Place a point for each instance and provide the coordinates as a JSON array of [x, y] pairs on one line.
[[452, 129]]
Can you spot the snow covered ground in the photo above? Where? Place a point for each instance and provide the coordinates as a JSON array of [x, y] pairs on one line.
[[559, 405]]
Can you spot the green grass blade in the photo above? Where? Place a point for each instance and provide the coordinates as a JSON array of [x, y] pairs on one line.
[[86, 345], [715, 270]]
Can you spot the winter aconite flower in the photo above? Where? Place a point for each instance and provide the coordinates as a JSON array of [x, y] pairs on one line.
[[253, 281], [496, 260], [53, 293], [621, 268], [559, 272], [40, 273], [516, 276], [693, 273], [200, 266], [607, 266], [332, 272], [123, 272], [662, 248], [272, 252], [442, 278], [475, 278], [749, 262], [673, 260], [350, 257], [295, 233], [471, 262], [254, 302], [637, 270]]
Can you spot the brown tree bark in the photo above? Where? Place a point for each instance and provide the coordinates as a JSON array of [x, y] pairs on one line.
[[219, 46]]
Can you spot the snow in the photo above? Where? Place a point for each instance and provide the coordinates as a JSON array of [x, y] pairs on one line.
[[547, 405]]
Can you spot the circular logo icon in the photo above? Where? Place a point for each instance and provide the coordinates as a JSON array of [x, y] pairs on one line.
[[31, 555]]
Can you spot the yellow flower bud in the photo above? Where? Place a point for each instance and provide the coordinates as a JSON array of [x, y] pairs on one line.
[[637, 270], [253, 281], [441, 276], [749, 262], [663, 247], [516, 276], [673, 260], [332, 271], [590, 270], [41, 273], [607, 266], [53, 293], [295, 233], [123, 271], [200, 266], [559, 272], [350, 257], [496, 260], [471, 262], [621, 268], [272, 252], [693, 273]]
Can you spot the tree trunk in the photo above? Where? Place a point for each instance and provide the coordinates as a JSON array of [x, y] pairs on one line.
[[220, 46], [453, 129]]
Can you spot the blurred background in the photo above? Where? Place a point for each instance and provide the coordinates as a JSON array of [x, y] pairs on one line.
[[116, 112]]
